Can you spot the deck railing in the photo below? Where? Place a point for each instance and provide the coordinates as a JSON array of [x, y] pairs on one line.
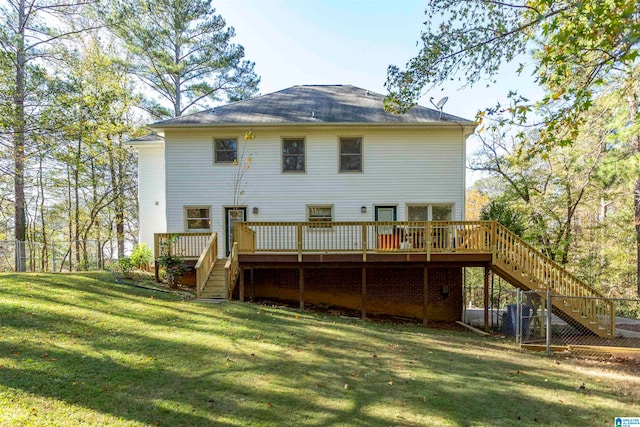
[[363, 237], [231, 268], [205, 263], [186, 245]]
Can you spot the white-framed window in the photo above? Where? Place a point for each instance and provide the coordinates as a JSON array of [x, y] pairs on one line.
[[429, 212], [197, 218], [418, 212], [293, 155], [225, 150], [319, 213], [350, 154]]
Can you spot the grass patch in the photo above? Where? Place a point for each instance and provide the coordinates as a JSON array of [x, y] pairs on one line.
[[82, 350]]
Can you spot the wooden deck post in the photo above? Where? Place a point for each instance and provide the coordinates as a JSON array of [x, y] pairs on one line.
[[241, 291], [494, 242], [299, 237], [253, 285], [363, 308], [485, 302], [425, 295], [301, 272], [363, 238], [156, 254]]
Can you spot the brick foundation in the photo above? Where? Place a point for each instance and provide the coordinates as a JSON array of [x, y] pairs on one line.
[[389, 290]]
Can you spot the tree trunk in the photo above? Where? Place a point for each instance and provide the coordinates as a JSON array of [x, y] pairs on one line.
[[19, 141], [69, 220], [43, 229], [117, 184], [76, 193], [635, 144]]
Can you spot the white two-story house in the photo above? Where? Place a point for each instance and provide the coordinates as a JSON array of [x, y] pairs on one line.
[[316, 194], [317, 153]]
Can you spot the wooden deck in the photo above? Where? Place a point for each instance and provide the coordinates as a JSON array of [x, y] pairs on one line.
[[463, 243], [427, 245]]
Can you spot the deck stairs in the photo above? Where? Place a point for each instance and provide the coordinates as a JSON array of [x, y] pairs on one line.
[[215, 288], [572, 300]]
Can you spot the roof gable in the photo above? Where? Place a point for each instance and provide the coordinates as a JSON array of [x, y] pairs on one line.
[[313, 104]]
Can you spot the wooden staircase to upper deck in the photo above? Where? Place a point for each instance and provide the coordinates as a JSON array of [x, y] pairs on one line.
[[572, 300]]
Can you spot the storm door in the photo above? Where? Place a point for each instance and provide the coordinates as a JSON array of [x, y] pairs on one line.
[[231, 216]]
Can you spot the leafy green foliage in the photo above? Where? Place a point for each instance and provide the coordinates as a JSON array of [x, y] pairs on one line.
[[576, 46], [125, 265], [499, 210], [574, 200], [173, 265], [141, 256], [183, 51]]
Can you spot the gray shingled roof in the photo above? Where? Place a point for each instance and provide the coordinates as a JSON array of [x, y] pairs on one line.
[[311, 104], [150, 137]]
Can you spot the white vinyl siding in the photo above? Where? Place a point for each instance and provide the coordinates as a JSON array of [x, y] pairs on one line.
[[402, 167], [151, 192]]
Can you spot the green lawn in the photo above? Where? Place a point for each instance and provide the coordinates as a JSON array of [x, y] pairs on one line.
[[82, 350]]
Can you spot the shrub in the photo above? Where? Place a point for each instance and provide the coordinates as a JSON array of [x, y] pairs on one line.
[[125, 265], [173, 265], [141, 256]]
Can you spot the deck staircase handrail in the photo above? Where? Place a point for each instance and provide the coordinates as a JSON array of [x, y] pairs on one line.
[[231, 267], [206, 262], [506, 249], [544, 274]]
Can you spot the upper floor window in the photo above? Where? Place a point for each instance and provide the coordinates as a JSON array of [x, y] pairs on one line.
[[350, 154], [293, 155], [226, 150], [197, 218]]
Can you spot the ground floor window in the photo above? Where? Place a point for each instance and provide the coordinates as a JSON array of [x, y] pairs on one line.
[[429, 212], [197, 218], [319, 213]]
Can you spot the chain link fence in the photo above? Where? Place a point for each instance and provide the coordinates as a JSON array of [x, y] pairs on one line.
[[570, 337], [57, 256], [567, 329]]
